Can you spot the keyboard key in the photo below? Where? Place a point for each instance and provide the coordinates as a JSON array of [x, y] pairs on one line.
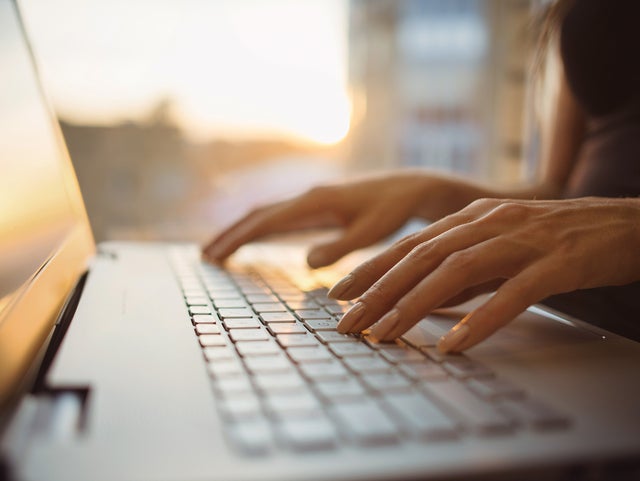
[[287, 328], [272, 382], [308, 434], [231, 386], [219, 293], [386, 382], [242, 323], [324, 370], [291, 295], [234, 313], [335, 336], [269, 307], [297, 340], [261, 298], [309, 354], [271, 363], [292, 404], [249, 335], [306, 314], [257, 348], [229, 303], [304, 304], [205, 319], [270, 317], [239, 407], [398, 354], [424, 371], [197, 300], [421, 417], [365, 423], [251, 436], [434, 354], [351, 349], [340, 390], [209, 340], [361, 365], [207, 329], [420, 337], [464, 368], [316, 325], [197, 292], [219, 353], [476, 415], [228, 367], [194, 310], [337, 309], [190, 284], [254, 290]]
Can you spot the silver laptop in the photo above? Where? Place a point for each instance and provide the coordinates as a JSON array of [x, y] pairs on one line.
[[139, 362]]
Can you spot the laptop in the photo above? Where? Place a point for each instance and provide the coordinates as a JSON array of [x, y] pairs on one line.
[[131, 361]]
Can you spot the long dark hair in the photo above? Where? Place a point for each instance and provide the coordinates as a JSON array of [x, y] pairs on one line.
[[546, 24]]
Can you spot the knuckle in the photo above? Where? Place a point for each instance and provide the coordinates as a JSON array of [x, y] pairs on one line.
[[459, 260], [482, 204], [405, 245], [510, 211], [425, 251]]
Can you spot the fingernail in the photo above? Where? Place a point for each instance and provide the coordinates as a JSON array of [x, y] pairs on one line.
[[454, 338], [341, 287], [385, 325], [350, 318]]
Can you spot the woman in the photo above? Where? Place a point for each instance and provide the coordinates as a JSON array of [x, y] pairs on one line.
[[485, 239]]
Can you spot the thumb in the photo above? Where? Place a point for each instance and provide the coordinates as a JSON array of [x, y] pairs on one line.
[[365, 231], [325, 254]]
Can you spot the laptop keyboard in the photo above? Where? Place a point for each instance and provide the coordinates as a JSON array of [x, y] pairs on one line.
[[285, 378]]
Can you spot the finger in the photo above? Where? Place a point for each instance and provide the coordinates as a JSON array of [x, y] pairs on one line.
[[472, 292], [363, 276], [277, 218], [462, 270], [511, 299], [364, 231], [422, 262]]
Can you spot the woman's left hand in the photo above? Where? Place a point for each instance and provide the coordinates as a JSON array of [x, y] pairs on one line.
[[524, 250]]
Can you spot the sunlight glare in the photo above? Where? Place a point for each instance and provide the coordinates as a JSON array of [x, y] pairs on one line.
[[242, 69]]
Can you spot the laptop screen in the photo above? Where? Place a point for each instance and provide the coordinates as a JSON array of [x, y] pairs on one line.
[[37, 213], [41, 210]]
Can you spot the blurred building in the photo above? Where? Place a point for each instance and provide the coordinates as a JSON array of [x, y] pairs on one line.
[[131, 174], [434, 83], [145, 180], [439, 83]]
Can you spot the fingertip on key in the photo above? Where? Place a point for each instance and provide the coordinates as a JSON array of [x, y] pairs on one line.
[[351, 318]]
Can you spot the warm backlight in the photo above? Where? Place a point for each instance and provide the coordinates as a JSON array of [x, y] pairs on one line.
[[232, 68]]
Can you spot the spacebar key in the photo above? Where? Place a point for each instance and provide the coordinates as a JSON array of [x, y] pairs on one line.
[[365, 423]]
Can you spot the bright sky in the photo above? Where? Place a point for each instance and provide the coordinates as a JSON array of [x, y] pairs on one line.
[[239, 68]]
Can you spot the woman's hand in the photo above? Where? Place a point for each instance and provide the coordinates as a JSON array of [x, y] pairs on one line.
[[527, 250], [368, 210]]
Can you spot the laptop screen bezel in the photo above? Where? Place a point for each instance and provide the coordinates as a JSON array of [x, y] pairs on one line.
[[26, 322]]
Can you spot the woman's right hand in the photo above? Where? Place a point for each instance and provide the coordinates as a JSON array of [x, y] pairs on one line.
[[368, 210]]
